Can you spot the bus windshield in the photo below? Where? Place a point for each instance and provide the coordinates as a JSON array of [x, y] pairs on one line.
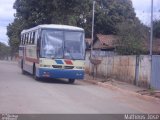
[[74, 45], [52, 44], [62, 44]]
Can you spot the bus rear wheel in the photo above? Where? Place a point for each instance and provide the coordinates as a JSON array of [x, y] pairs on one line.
[[34, 74], [71, 81], [23, 71]]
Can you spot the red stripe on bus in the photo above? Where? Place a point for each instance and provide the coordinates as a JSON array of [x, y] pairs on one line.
[[32, 60], [68, 62]]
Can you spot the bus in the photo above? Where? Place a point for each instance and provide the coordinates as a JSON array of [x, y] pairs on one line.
[[53, 51]]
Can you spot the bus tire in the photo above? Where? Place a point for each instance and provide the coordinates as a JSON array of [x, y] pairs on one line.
[[23, 71], [34, 73], [71, 81]]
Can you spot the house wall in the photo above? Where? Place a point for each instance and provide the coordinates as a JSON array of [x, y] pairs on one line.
[[97, 44], [123, 68], [144, 70]]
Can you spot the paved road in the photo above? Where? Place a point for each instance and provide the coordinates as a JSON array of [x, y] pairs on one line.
[[22, 94]]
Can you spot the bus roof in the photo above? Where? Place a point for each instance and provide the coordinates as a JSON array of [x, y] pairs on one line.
[[54, 26]]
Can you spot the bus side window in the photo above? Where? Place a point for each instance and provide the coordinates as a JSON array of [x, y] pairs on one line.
[[38, 42], [21, 39], [28, 38], [29, 41], [24, 40], [33, 37], [36, 37]]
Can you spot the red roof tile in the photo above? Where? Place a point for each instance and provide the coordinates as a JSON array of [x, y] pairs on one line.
[[106, 39]]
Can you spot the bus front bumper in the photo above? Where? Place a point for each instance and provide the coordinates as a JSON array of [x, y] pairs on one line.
[[60, 73]]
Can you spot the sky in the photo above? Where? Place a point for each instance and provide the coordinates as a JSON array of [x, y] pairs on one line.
[[142, 9], [6, 17]]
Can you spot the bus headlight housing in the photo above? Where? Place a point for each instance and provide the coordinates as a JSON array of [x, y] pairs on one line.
[[41, 65], [79, 67]]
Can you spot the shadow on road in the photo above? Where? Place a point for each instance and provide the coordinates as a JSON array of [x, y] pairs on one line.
[[54, 81], [51, 80]]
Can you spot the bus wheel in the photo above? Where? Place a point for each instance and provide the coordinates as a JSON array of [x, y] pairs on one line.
[[23, 71], [71, 81], [34, 74]]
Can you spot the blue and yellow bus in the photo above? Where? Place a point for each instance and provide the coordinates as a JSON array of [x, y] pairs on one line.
[[53, 51]]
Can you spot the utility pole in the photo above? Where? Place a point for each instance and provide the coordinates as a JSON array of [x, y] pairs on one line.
[[151, 40], [151, 32], [92, 28]]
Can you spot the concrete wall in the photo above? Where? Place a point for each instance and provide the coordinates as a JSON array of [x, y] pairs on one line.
[[122, 68], [144, 70]]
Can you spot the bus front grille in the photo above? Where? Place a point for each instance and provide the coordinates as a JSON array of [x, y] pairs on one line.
[[56, 66], [68, 67]]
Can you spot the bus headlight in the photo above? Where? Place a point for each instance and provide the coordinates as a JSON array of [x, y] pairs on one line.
[[79, 67], [44, 65]]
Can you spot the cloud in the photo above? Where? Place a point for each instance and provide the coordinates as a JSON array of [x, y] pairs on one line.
[[143, 10], [3, 36], [145, 5], [6, 17], [145, 16], [6, 10]]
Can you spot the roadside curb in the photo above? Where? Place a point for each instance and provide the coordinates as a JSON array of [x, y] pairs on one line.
[[105, 85]]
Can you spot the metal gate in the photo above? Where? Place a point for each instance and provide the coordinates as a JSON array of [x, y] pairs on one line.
[[155, 82]]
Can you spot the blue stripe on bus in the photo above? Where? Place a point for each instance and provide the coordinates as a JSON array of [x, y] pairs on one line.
[[59, 61], [59, 73]]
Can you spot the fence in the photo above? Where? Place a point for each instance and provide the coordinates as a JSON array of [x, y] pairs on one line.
[[132, 69]]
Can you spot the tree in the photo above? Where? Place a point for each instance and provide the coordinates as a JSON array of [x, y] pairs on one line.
[[4, 51], [156, 28], [13, 32], [108, 14], [132, 38], [36, 12]]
